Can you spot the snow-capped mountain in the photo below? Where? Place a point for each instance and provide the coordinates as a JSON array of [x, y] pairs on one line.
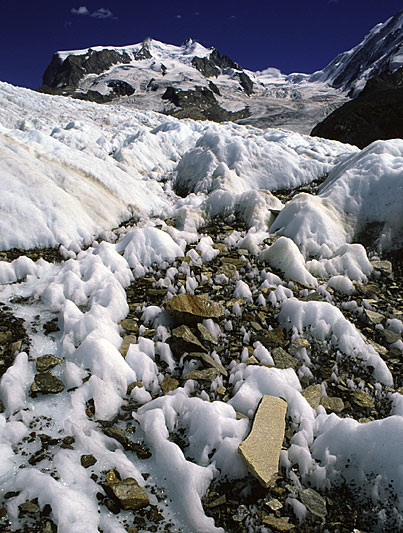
[[380, 51], [190, 81]]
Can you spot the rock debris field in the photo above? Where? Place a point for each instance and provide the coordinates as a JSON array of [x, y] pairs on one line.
[[224, 354]]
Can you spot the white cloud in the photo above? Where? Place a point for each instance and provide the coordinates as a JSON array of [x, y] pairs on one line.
[[80, 11], [178, 16], [101, 13]]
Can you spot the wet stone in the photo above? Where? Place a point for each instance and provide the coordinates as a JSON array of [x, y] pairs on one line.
[[29, 508], [46, 362], [46, 384], [127, 493], [314, 502], [87, 460]]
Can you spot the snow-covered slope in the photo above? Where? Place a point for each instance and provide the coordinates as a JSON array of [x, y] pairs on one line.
[[105, 164], [116, 398], [139, 76], [380, 51]]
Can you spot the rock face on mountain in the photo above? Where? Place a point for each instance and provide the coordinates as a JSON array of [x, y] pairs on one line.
[[377, 113], [380, 51], [67, 72], [183, 89], [189, 81]]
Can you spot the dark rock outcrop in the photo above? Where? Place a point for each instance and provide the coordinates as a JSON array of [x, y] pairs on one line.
[[246, 83], [121, 88], [199, 104], [205, 66], [68, 72], [376, 114], [222, 61], [210, 66]]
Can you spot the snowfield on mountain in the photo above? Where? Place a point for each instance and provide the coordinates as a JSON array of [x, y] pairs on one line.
[[110, 388]]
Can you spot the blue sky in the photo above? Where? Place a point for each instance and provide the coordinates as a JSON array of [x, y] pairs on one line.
[[292, 35]]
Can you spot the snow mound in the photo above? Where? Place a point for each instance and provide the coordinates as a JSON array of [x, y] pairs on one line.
[[360, 200]]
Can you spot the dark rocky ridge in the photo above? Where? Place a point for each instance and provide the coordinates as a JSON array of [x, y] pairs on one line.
[[68, 72], [200, 104], [377, 113]]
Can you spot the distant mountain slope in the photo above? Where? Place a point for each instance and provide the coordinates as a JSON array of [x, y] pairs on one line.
[[377, 113], [380, 51], [190, 81]]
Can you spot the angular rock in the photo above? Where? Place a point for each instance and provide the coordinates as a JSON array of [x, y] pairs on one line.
[[190, 308], [332, 403], [46, 384], [87, 460], [127, 493], [261, 449], [373, 317], [130, 325], [390, 336], [227, 269], [183, 340], [234, 261], [208, 374], [297, 345], [383, 266], [127, 341], [314, 502], [270, 338], [206, 335], [278, 524], [46, 362], [209, 360], [169, 384], [284, 360], [313, 395], [274, 504], [361, 398], [29, 508]]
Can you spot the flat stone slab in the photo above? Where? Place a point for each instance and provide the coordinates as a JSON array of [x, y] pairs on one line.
[[46, 384], [314, 502], [46, 362], [191, 308], [261, 449]]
